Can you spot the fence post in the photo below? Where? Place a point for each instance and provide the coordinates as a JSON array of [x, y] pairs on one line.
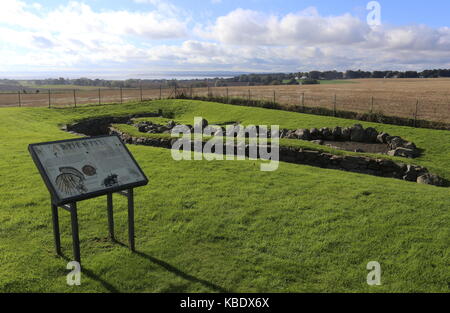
[[371, 105], [160, 92], [141, 92], [415, 114], [49, 100], [249, 95], [121, 95], [75, 98], [334, 105], [176, 92], [209, 94], [99, 97], [191, 91], [228, 100], [303, 101], [274, 96], [20, 100]]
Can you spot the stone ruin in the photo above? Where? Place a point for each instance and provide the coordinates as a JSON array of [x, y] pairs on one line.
[[357, 164], [396, 146], [361, 139]]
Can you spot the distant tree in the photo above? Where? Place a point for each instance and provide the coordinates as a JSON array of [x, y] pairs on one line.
[[220, 83], [315, 75], [330, 75], [411, 74]]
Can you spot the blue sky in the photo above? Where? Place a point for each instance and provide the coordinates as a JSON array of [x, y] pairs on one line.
[[433, 13], [143, 36]]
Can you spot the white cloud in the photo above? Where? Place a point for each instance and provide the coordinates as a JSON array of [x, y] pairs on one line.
[[247, 27], [75, 35]]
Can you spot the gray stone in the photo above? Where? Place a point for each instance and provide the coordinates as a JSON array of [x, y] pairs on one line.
[[327, 134], [358, 134], [430, 179], [346, 133], [382, 138], [402, 152], [290, 135], [395, 142], [350, 162], [371, 134], [303, 134], [315, 134], [337, 133], [411, 174]]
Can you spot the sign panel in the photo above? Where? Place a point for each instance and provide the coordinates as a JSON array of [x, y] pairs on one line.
[[80, 169]]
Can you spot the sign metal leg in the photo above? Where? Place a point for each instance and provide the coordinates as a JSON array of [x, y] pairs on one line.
[[110, 216], [131, 219], [75, 236], [56, 232]]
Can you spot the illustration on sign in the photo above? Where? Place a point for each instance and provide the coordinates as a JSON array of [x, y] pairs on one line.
[[80, 167]]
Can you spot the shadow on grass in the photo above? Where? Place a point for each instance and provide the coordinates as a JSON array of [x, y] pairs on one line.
[[181, 274], [176, 271], [156, 261], [95, 277]]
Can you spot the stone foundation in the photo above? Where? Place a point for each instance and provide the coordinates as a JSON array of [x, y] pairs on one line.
[[356, 164]]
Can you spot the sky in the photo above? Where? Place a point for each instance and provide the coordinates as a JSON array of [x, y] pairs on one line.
[[138, 37]]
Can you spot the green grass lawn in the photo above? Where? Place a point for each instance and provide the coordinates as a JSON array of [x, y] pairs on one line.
[[226, 226]]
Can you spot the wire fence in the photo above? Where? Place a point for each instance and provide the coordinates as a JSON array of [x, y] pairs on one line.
[[432, 108]]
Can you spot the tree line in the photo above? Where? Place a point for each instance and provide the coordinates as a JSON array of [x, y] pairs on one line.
[[331, 75], [247, 79]]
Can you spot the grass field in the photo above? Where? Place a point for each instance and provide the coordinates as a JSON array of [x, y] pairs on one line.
[[225, 226], [393, 97]]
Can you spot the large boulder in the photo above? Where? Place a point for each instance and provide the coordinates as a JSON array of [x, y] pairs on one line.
[[403, 152], [395, 142], [431, 179], [358, 134], [411, 173], [371, 134], [346, 133], [303, 134], [315, 134], [290, 135], [327, 134], [337, 133], [382, 137]]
